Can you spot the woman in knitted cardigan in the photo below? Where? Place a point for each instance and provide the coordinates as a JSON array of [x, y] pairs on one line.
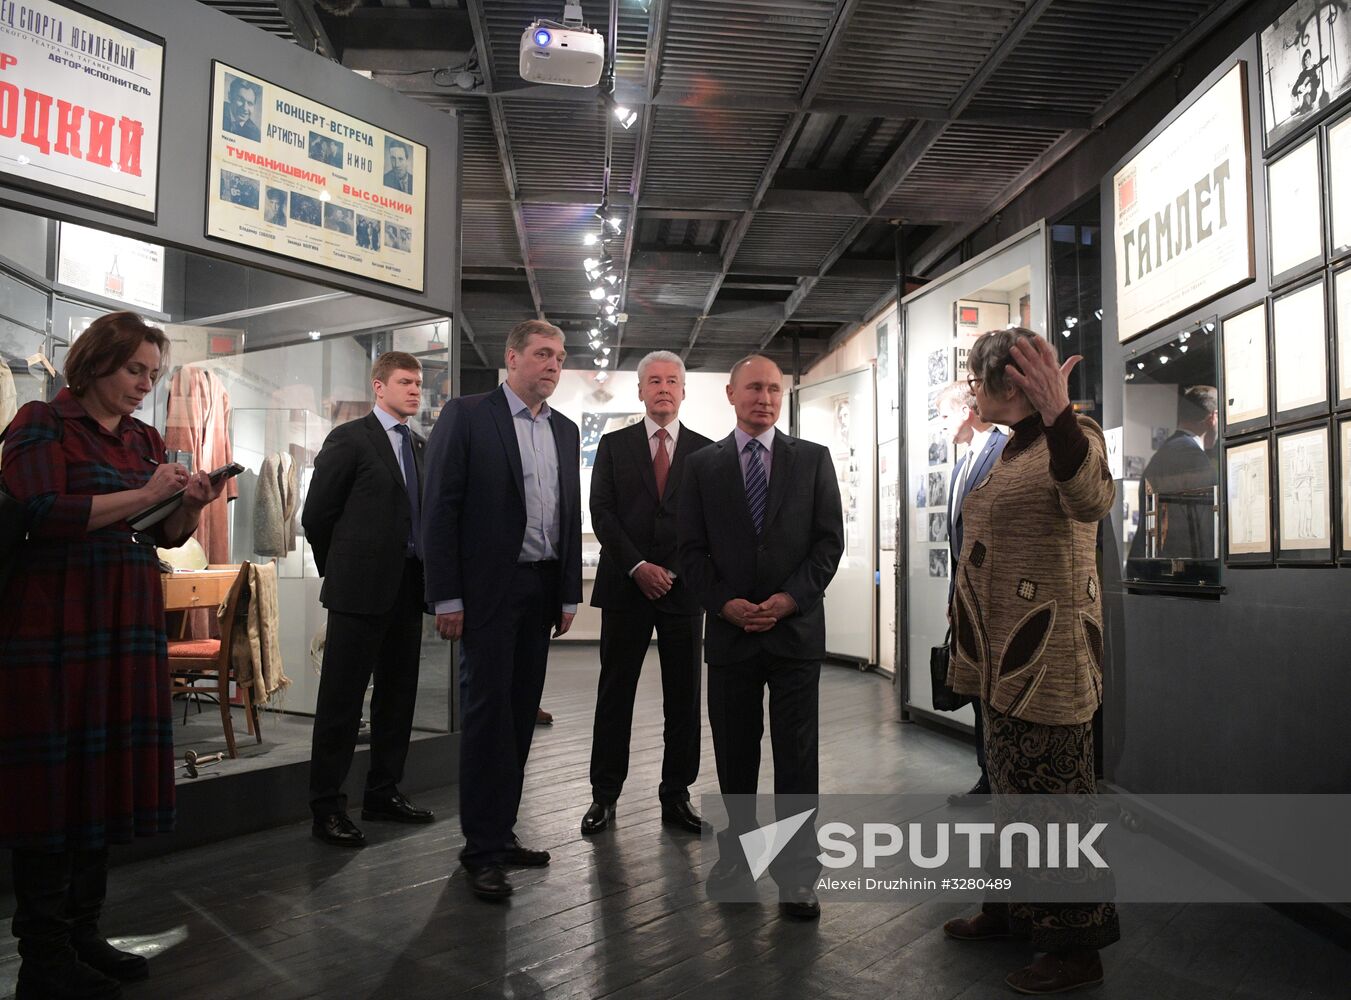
[[1027, 626]]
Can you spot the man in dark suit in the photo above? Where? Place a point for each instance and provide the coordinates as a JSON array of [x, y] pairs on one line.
[[635, 494], [1181, 478], [239, 114], [984, 444], [361, 519], [761, 534], [503, 537], [399, 175]]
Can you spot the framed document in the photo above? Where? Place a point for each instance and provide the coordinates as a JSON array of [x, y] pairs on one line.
[[1304, 495], [1244, 345], [1295, 212], [1339, 186], [1299, 352], [1306, 67], [1341, 299], [1344, 488], [1247, 513]]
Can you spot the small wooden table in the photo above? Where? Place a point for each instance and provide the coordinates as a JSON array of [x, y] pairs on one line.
[[198, 588]]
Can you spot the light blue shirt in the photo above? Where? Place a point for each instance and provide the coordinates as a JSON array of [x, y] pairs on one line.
[[766, 457], [389, 423], [539, 477]]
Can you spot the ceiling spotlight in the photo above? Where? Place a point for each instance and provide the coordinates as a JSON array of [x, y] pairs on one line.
[[1183, 348], [605, 351], [1064, 333], [595, 345], [602, 376], [590, 239], [1208, 326], [1164, 359], [601, 362], [1097, 314], [316, 334], [1071, 322], [1140, 365], [626, 116], [597, 293], [591, 264]]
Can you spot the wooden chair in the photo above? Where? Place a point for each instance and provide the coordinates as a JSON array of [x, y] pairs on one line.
[[194, 660]]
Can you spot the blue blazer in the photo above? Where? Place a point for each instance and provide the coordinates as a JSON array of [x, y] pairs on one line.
[[985, 461], [473, 506]]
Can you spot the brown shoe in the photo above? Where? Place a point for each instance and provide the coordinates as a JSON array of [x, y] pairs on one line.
[[1058, 973], [543, 718], [982, 927]]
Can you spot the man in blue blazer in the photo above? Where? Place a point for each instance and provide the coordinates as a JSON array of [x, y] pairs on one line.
[[984, 444], [502, 536], [760, 536]]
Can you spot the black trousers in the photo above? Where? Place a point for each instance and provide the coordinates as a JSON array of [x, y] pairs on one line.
[[980, 744], [502, 668], [387, 646], [624, 639], [736, 693]]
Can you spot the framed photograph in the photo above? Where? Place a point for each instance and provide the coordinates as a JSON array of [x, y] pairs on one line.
[[1247, 512], [1344, 490], [1341, 323], [1295, 212], [1299, 352], [1244, 347], [1306, 66], [1304, 495], [1338, 146]]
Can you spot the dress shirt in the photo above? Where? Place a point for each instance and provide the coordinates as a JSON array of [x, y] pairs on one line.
[[766, 457], [979, 439], [673, 429], [389, 422], [539, 476]]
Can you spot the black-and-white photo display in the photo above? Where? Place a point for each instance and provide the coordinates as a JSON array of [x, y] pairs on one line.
[[1306, 64], [938, 563]]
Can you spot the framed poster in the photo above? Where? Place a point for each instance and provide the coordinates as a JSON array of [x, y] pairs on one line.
[[1304, 495], [1183, 211], [80, 104], [294, 177], [1247, 514], [1244, 347], [1299, 352], [1295, 212], [115, 267], [1341, 311], [1339, 187], [1344, 489], [1306, 66]]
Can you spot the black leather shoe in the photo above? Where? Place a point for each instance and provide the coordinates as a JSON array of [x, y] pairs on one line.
[[800, 903], [98, 954], [394, 808], [598, 818], [40, 980], [339, 830], [977, 796], [682, 817], [520, 856], [488, 882], [729, 880]]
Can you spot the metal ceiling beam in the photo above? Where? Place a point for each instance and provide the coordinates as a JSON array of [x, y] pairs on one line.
[[480, 24], [468, 332], [306, 26]]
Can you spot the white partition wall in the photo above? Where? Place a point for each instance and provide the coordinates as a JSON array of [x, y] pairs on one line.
[[1006, 286], [840, 413]]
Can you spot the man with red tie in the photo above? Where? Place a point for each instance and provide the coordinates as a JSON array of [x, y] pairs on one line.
[[635, 493]]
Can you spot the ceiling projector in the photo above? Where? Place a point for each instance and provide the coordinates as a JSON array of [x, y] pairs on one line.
[[567, 55]]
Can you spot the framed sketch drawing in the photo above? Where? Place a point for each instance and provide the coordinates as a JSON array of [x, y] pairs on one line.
[[1341, 310], [1306, 66], [1247, 479], [1295, 212], [1339, 186], [1244, 346], [1299, 352], [1344, 488], [1304, 495]]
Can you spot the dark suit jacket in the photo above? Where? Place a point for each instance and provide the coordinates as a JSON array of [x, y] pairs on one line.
[[357, 516], [994, 447], [1184, 476], [473, 507], [392, 181], [632, 522], [797, 552]]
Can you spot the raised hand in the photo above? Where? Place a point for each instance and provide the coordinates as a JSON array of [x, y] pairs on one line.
[[1044, 383]]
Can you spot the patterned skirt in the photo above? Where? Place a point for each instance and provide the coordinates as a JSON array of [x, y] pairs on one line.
[[1025, 758]]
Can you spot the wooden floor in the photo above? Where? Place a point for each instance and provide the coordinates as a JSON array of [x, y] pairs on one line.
[[278, 916]]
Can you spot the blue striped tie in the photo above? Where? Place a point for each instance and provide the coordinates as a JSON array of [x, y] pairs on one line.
[[757, 484]]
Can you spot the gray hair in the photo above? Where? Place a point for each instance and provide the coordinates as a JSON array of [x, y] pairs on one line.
[[731, 376], [521, 333], [660, 357], [993, 351], [956, 393]]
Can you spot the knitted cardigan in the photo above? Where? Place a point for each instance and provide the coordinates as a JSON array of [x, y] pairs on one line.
[[1026, 609]]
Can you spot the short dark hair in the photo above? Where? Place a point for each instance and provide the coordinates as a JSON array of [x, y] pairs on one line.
[[236, 82], [393, 361], [106, 345], [1197, 403], [993, 351]]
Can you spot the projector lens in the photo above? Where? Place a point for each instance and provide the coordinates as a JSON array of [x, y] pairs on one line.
[[543, 38]]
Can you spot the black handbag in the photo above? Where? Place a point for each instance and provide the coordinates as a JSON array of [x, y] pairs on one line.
[[944, 698]]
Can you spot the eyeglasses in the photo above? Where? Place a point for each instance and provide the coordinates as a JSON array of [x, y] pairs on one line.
[[974, 383]]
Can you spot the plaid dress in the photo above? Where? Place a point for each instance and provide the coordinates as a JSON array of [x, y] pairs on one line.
[[86, 734]]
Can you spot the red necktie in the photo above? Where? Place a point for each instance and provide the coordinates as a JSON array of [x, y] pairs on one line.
[[661, 462]]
